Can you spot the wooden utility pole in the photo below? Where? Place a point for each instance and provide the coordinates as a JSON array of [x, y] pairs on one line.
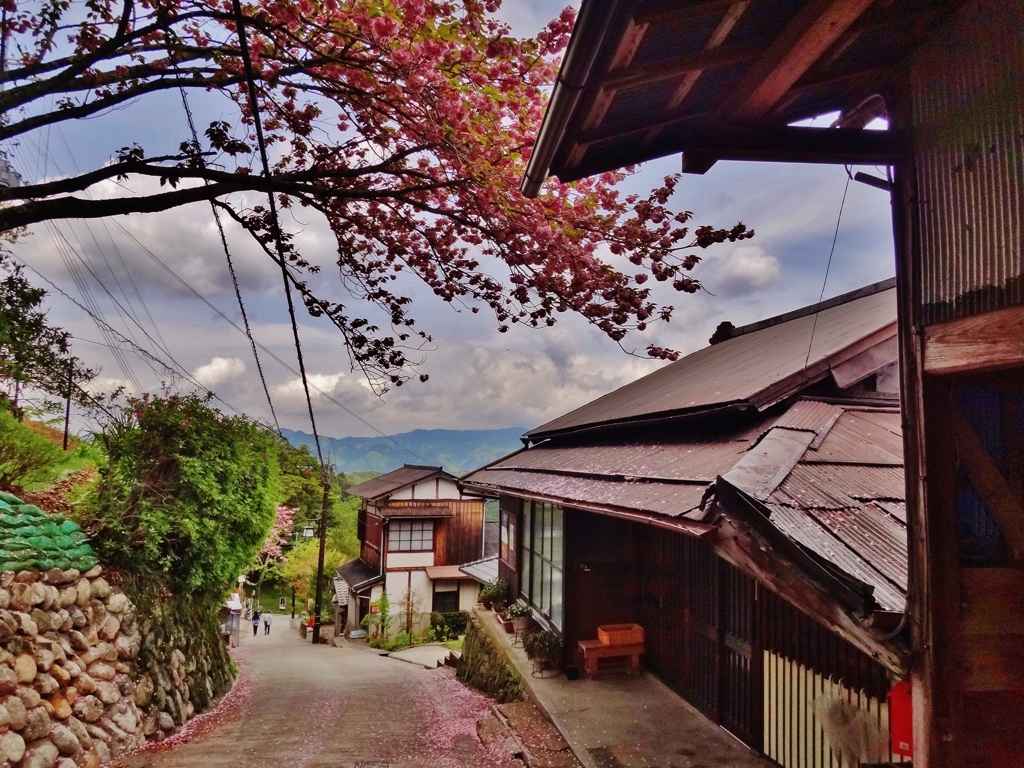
[[67, 405], [320, 558]]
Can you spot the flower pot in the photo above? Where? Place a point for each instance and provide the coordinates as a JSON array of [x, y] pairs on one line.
[[507, 624], [521, 623]]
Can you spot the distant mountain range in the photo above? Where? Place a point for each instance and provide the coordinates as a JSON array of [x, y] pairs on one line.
[[457, 450]]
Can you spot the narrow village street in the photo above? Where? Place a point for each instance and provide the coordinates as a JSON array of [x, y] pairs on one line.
[[305, 706]]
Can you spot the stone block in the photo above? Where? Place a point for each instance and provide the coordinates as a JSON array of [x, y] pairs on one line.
[[12, 745], [40, 754], [44, 659], [25, 668], [8, 679], [29, 696], [16, 710], [93, 572], [85, 684], [38, 725], [117, 602], [64, 740], [61, 707], [46, 684], [60, 674], [100, 670], [68, 596], [84, 590], [88, 708], [111, 626], [100, 588], [107, 692]]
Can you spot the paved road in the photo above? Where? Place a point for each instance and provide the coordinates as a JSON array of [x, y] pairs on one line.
[[304, 706]]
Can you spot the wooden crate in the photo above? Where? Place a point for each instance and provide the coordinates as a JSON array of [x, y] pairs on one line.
[[620, 634]]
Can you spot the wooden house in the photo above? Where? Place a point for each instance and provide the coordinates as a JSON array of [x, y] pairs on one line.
[[745, 505], [415, 528], [714, 81]]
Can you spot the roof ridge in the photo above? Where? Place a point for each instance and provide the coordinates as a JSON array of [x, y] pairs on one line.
[[810, 309]]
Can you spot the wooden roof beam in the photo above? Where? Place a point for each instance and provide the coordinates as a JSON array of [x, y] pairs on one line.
[[811, 33], [790, 144]]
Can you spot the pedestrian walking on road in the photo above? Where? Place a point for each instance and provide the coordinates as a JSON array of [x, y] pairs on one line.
[[255, 622], [266, 623]]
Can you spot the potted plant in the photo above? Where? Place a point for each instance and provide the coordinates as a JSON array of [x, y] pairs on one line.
[[519, 613], [544, 649], [494, 592]]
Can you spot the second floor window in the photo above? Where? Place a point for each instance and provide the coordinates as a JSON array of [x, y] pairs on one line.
[[411, 535]]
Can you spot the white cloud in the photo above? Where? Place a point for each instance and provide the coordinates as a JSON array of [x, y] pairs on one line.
[[219, 370], [744, 270]]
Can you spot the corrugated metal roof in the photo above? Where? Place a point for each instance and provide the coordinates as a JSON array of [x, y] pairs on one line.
[[756, 368], [810, 415], [858, 440], [392, 481], [844, 502], [485, 571], [669, 499], [855, 480], [695, 461], [807, 532]]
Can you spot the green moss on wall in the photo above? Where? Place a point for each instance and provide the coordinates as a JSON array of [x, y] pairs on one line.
[[486, 668]]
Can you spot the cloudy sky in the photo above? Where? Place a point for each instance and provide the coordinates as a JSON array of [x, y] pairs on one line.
[[478, 377]]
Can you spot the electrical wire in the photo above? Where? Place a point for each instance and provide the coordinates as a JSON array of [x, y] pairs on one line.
[[275, 222], [828, 266], [231, 267]]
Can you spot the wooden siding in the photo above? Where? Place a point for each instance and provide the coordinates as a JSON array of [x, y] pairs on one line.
[[513, 506], [738, 652], [457, 539], [370, 547]]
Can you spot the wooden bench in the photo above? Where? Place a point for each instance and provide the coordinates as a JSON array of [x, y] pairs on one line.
[[627, 655]]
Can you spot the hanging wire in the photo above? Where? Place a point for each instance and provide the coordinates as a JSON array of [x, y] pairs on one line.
[[828, 266], [275, 224], [231, 265]]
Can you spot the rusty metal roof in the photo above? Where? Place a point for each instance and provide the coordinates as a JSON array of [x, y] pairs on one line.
[[399, 478], [725, 80], [844, 501], [751, 369]]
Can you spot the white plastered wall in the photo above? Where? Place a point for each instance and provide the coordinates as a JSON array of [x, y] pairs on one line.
[[399, 584], [469, 591]]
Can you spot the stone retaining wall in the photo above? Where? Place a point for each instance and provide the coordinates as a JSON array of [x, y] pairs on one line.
[[485, 667], [85, 674]]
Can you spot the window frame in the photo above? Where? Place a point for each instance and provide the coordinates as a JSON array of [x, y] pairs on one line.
[[542, 559], [397, 527]]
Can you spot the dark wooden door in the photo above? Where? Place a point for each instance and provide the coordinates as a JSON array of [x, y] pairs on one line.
[[739, 689], [702, 613]]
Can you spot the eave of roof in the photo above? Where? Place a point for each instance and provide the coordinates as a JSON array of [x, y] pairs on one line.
[[725, 80], [396, 479], [758, 366]]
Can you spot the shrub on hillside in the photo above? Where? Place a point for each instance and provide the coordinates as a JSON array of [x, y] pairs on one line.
[[24, 454], [187, 496]]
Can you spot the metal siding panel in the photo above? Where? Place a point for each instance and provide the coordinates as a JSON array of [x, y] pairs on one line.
[[970, 162]]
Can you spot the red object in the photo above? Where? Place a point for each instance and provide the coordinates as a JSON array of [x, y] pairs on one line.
[[901, 721], [310, 622]]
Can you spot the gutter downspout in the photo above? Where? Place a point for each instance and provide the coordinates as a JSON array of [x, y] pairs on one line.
[[589, 32]]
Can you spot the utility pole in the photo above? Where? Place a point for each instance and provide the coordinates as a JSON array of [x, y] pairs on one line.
[[320, 559], [67, 406]]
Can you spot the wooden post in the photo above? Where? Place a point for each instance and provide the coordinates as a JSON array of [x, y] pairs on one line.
[[320, 560], [67, 405]]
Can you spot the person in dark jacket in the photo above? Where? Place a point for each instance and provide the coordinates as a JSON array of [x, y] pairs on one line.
[[255, 622]]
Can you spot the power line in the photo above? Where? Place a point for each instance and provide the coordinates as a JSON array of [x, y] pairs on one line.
[[828, 266], [231, 266], [179, 371], [275, 225]]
